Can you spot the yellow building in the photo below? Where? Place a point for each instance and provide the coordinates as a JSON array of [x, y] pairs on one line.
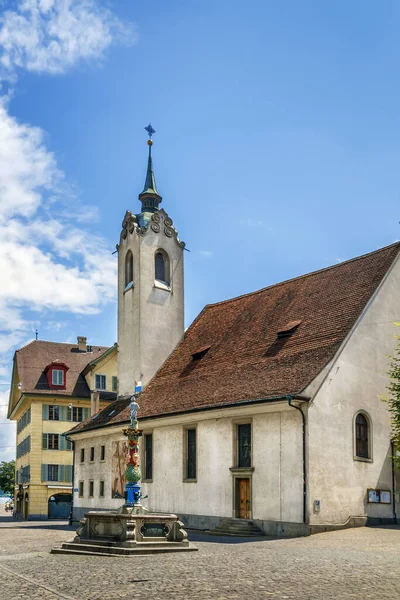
[[53, 386]]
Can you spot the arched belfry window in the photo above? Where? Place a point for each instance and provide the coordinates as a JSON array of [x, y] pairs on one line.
[[362, 435], [128, 268], [161, 267]]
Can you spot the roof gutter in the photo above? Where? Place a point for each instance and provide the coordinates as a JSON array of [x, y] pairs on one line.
[[281, 398]]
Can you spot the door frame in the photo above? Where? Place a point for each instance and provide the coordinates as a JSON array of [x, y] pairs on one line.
[[241, 473]]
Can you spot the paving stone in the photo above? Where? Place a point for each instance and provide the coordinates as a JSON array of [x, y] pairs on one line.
[[355, 563]]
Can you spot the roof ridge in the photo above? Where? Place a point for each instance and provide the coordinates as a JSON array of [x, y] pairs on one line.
[[303, 276], [61, 344]]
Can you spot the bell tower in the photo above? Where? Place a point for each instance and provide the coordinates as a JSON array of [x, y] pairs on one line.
[[150, 287]]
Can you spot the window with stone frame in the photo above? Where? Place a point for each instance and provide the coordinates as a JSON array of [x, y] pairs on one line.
[[190, 456], [81, 489], [362, 436], [101, 489], [82, 455], [161, 267], [91, 488], [243, 437], [148, 456]]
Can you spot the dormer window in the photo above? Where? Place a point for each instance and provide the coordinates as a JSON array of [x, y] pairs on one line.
[[56, 373], [57, 377], [200, 353], [288, 330]]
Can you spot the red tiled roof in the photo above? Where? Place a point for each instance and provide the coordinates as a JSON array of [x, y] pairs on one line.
[[246, 360], [32, 360]]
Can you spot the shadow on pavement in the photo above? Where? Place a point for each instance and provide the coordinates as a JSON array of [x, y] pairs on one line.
[[201, 536]]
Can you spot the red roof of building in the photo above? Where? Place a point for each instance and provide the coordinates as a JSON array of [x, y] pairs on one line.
[[31, 362], [246, 360]]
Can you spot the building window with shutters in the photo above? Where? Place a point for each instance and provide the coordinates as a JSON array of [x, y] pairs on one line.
[[91, 488], [243, 445], [128, 270], [190, 455], [101, 489], [100, 382], [54, 413], [24, 447], [77, 414], [148, 456], [102, 453], [52, 472], [81, 489], [114, 383], [362, 437], [50, 441]]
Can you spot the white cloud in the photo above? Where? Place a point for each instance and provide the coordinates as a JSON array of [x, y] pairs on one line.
[[47, 263], [7, 430], [53, 35], [206, 253]]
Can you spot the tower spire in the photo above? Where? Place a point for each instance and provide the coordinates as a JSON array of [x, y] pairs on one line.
[[149, 197]]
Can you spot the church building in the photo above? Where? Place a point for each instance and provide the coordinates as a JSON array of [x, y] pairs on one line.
[[266, 410]]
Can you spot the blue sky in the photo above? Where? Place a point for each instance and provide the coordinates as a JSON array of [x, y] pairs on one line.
[[276, 150]]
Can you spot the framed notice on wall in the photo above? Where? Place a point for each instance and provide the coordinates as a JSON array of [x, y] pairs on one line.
[[385, 497], [379, 496], [373, 496]]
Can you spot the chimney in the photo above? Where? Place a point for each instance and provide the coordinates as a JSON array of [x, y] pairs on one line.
[[94, 403], [82, 343]]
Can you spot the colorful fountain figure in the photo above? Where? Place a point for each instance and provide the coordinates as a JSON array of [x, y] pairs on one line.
[[132, 473]]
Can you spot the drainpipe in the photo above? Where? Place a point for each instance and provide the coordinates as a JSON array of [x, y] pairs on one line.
[[73, 478], [393, 484], [290, 400]]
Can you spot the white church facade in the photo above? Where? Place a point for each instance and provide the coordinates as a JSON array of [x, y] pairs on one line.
[[266, 409]]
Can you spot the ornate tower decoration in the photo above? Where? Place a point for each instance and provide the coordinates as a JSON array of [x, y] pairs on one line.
[[150, 286]]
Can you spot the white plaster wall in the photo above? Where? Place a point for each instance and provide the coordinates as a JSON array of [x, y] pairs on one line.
[[96, 470], [150, 320], [354, 382], [277, 461], [277, 457]]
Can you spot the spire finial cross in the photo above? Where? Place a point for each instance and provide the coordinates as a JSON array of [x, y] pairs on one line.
[[150, 130]]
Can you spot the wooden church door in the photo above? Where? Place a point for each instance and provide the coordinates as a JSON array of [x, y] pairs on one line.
[[243, 498]]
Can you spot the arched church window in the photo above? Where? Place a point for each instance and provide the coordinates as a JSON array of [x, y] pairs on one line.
[[362, 436], [128, 268], [161, 267]]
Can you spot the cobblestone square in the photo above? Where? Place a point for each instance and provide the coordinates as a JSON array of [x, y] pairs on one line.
[[354, 563]]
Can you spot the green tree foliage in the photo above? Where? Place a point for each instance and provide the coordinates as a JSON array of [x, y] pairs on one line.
[[7, 477], [393, 399]]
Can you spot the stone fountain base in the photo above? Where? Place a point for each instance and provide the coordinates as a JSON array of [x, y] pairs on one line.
[[130, 531]]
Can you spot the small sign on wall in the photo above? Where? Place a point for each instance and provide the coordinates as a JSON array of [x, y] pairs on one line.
[[379, 496]]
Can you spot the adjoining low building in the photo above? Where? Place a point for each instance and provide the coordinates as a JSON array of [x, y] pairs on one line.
[[53, 386], [268, 409]]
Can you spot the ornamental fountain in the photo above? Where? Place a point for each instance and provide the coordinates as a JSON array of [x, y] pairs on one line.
[[131, 529]]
